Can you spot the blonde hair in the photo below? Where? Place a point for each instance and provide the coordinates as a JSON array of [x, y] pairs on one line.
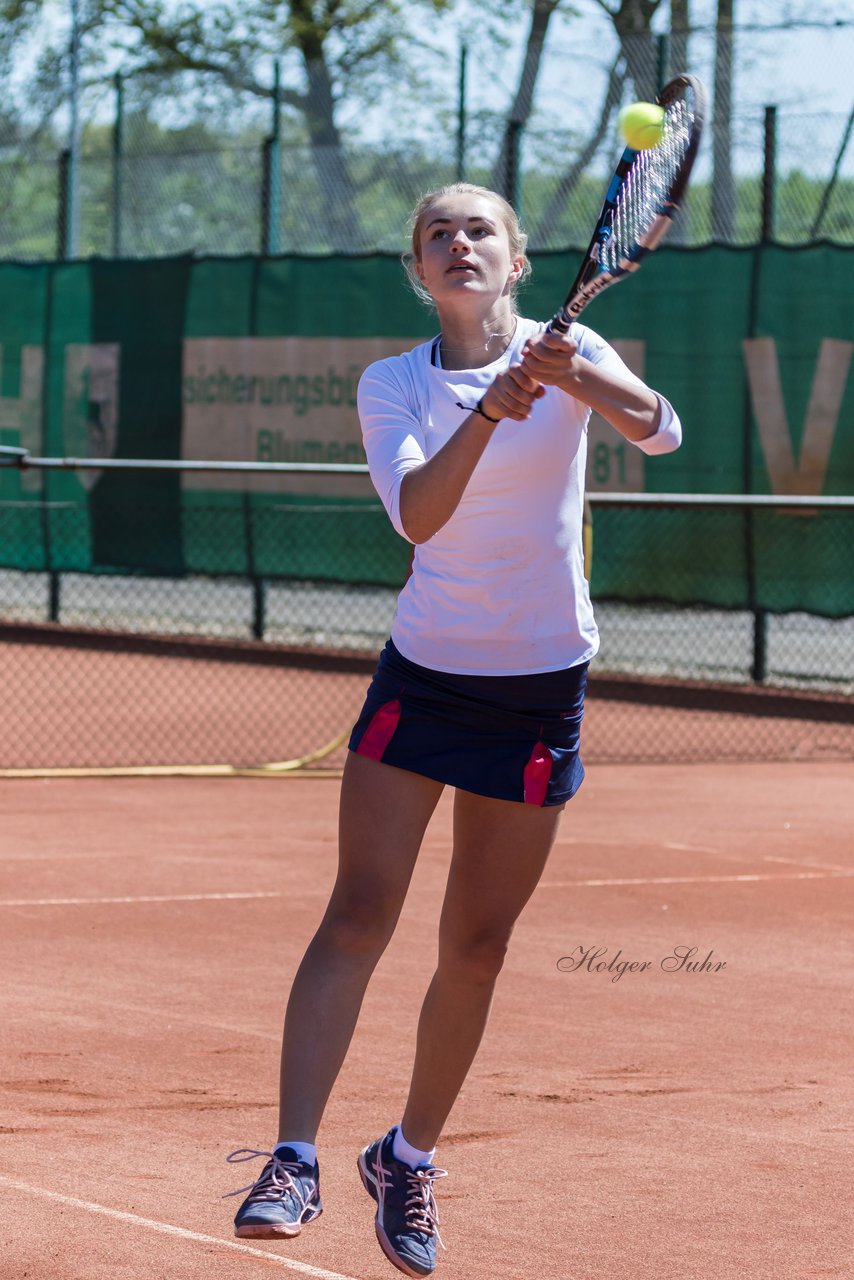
[[516, 236]]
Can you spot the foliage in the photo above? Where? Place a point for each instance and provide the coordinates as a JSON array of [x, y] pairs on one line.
[[368, 121], [188, 189]]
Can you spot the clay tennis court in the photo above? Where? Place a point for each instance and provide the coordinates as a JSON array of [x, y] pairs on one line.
[[658, 1126]]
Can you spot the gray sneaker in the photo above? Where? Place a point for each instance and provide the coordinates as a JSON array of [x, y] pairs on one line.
[[406, 1221], [282, 1200]]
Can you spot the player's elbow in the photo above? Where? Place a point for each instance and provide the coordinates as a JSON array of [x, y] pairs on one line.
[[414, 518], [667, 436], [671, 438], [415, 533]]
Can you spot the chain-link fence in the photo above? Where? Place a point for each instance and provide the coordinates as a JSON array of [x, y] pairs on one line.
[[111, 669], [155, 176]]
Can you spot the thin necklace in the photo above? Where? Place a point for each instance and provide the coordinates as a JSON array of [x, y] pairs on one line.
[[457, 351]]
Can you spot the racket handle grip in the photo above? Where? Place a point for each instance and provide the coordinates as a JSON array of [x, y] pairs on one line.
[[560, 322]]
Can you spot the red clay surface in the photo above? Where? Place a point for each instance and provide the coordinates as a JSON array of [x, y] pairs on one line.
[[664, 1126]]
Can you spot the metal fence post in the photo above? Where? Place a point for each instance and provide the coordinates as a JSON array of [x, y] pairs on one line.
[[54, 602], [62, 205], [271, 174], [118, 157], [759, 663], [461, 115], [72, 216], [769, 175], [259, 587]]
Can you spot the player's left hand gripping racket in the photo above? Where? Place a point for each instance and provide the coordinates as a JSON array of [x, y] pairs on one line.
[[645, 193]]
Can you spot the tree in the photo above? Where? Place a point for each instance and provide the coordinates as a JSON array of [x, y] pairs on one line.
[[542, 12], [632, 22], [680, 23], [555, 210], [637, 61], [330, 48], [723, 187], [334, 46]]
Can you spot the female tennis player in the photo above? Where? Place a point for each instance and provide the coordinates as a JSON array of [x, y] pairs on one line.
[[476, 444]]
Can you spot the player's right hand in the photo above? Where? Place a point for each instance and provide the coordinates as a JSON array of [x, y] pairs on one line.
[[512, 394]]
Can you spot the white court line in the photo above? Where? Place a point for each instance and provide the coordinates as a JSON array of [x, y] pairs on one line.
[[92, 902], [688, 848], [619, 842], [583, 884], [832, 874], [166, 1229], [799, 862]]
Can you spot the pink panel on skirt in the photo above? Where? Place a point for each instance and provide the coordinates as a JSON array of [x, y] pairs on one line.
[[380, 731], [538, 770]]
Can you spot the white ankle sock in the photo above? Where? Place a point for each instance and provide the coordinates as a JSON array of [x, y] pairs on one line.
[[306, 1151], [407, 1154]]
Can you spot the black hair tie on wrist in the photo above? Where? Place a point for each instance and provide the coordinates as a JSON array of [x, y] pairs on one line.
[[478, 408]]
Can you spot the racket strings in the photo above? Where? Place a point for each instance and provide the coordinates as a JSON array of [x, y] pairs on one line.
[[647, 186]]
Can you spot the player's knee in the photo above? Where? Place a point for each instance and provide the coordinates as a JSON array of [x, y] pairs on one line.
[[362, 928], [475, 958]]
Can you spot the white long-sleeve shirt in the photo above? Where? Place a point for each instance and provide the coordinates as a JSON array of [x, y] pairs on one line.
[[500, 588]]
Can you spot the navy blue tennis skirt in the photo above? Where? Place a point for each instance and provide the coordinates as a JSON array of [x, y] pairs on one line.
[[509, 737]]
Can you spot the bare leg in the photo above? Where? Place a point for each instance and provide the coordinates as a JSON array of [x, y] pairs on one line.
[[383, 815], [500, 850]]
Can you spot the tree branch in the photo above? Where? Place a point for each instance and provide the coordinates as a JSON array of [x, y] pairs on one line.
[[556, 208], [541, 15]]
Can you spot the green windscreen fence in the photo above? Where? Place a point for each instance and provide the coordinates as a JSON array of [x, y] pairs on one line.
[[258, 359]]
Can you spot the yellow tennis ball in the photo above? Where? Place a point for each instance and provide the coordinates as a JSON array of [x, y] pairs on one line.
[[642, 124]]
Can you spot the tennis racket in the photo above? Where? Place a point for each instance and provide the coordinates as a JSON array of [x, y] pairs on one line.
[[645, 193]]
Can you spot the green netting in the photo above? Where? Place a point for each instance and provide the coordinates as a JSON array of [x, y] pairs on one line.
[[780, 560], [298, 537], [95, 361]]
